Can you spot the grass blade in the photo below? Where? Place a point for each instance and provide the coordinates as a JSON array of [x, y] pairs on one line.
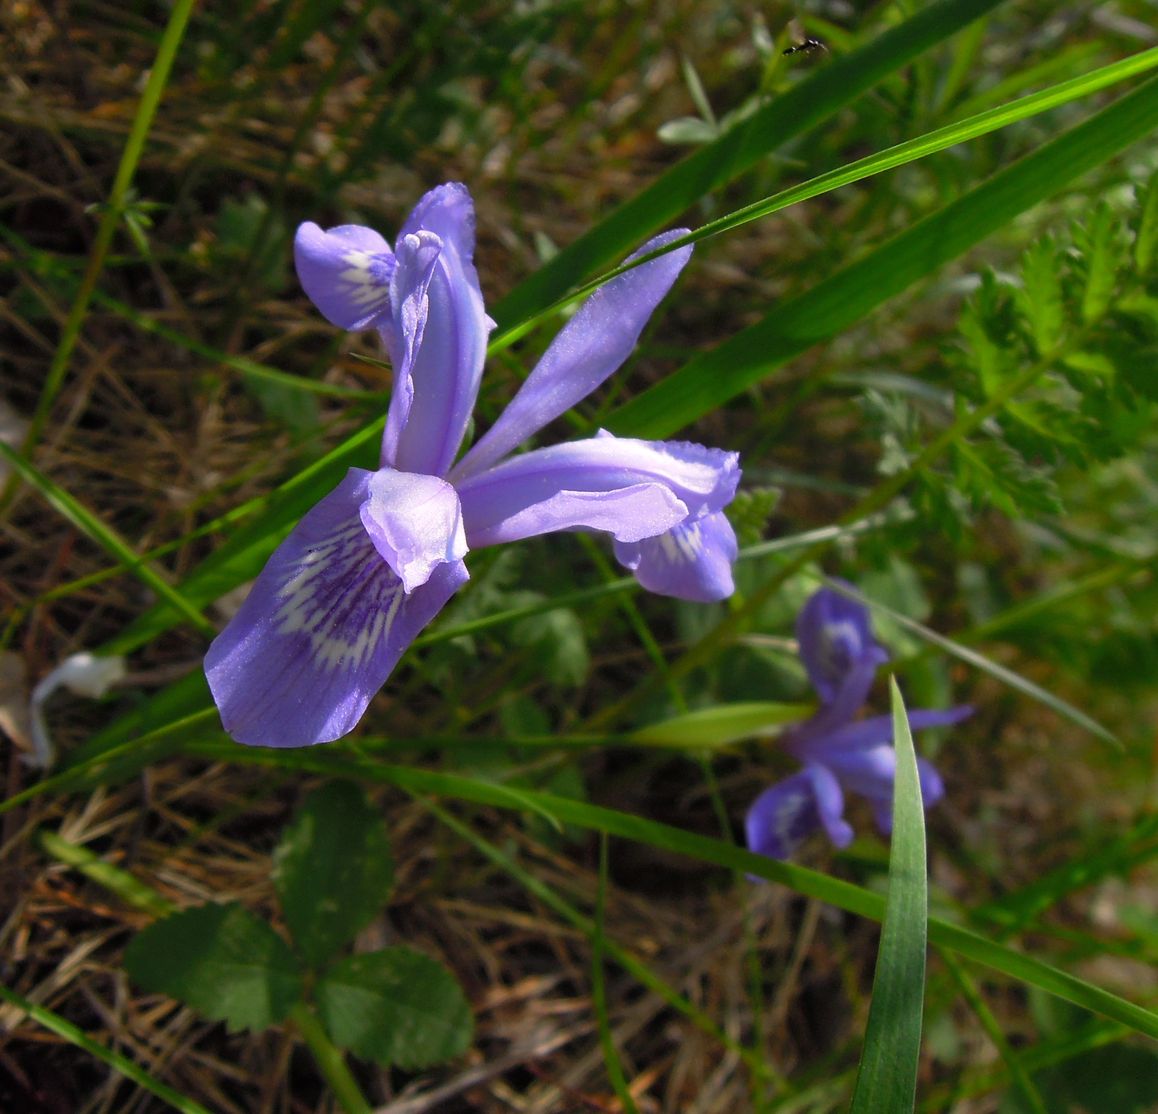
[[110, 218], [105, 536], [887, 1077], [708, 381], [810, 883], [54, 1023], [807, 104]]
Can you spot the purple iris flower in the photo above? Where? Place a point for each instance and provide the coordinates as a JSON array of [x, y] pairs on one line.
[[839, 752], [367, 568]]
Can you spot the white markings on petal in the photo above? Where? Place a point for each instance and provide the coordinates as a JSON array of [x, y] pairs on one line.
[[366, 278], [343, 598], [682, 545]]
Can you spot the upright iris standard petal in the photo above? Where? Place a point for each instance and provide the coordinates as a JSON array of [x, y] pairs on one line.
[[691, 561], [321, 629], [447, 366], [629, 488], [346, 272], [418, 254], [589, 348], [835, 637]]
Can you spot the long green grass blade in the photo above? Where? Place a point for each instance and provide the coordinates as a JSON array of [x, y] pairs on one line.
[[195, 737], [113, 212], [986, 665], [708, 381], [551, 898], [810, 102], [242, 555], [250, 369], [931, 143], [54, 1023], [105, 536], [718, 852], [887, 1076]]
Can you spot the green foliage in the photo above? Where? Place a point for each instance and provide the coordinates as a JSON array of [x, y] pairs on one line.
[[751, 511], [333, 872], [887, 1076], [1075, 333], [395, 1006], [222, 961]]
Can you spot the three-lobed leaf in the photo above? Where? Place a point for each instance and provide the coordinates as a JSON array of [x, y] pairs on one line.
[[395, 1006], [222, 961], [333, 870]]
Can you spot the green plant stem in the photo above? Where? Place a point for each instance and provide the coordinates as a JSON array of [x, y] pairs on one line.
[[992, 1029], [599, 988], [110, 218], [331, 1063]]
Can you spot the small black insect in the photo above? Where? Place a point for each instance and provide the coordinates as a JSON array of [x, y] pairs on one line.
[[806, 47]]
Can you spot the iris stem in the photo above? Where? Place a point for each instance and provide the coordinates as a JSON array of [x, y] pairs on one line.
[[331, 1063]]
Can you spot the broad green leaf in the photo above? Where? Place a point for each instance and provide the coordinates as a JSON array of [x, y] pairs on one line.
[[222, 961], [806, 104], [396, 1007], [708, 381], [721, 724], [887, 1077], [333, 870]]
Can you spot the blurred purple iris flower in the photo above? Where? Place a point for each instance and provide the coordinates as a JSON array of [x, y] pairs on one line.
[[368, 567], [839, 752]]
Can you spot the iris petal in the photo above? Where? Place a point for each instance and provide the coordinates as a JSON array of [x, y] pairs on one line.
[[321, 629], [631, 489], [447, 365], [418, 254], [346, 272], [588, 349], [786, 813], [414, 522], [691, 561], [835, 638]]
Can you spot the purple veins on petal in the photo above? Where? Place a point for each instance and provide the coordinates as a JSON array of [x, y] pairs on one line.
[[321, 629], [346, 271]]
